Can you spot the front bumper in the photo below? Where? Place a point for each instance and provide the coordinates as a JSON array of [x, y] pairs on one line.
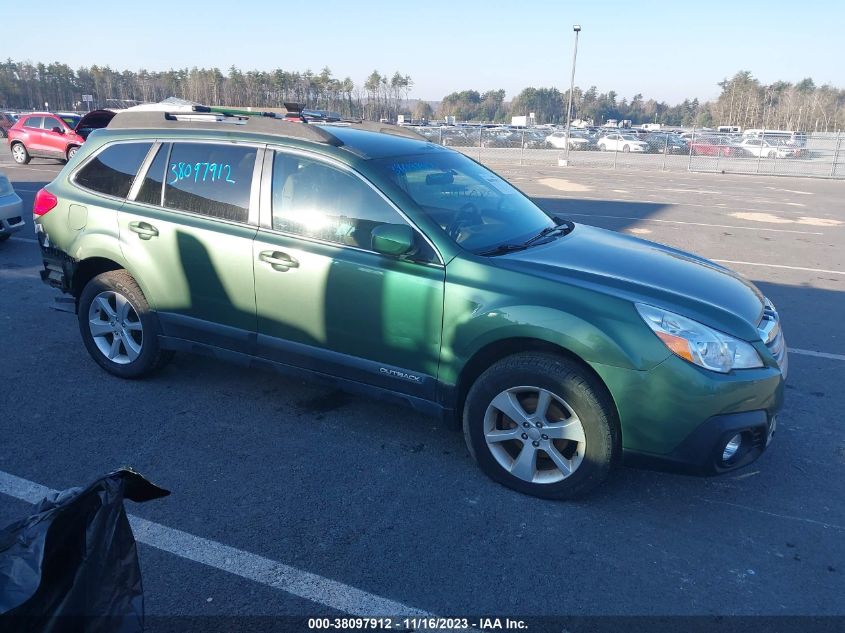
[[11, 218], [701, 452], [678, 416]]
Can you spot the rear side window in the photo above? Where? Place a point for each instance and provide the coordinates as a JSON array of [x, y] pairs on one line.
[[112, 171], [210, 179], [33, 122]]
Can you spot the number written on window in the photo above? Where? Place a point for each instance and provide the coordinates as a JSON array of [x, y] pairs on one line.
[[201, 172]]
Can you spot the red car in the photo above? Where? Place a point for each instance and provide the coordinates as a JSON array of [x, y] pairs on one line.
[[47, 135], [715, 146], [42, 134]]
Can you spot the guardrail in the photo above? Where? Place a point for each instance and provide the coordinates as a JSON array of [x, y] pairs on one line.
[[819, 155]]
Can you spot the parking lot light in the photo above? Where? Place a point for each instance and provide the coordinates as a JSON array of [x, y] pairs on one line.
[[577, 29]]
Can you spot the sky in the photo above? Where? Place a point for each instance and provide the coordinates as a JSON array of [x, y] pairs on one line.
[[665, 50]]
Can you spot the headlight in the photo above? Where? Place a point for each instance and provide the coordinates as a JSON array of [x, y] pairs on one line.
[[699, 344]]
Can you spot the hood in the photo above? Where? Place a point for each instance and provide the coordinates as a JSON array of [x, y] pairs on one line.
[[94, 120], [646, 272]]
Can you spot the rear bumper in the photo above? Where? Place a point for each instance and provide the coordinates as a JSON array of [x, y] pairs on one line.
[[11, 218], [59, 268]]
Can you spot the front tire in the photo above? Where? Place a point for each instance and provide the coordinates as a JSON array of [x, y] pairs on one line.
[[542, 425], [19, 154], [118, 328], [71, 152], [626, 148]]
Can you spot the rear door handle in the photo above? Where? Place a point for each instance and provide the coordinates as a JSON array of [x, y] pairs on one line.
[[278, 260], [145, 231]]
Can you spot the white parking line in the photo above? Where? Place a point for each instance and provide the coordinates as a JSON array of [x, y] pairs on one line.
[[812, 270], [330, 593], [720, 226], [809, 352]]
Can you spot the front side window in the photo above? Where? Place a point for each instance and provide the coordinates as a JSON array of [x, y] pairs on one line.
[[112, 171], [320, 201], [50, 123], [476, 208], [210, 179]]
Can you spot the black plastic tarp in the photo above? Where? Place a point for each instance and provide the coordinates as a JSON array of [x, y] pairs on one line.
[[73, 564]]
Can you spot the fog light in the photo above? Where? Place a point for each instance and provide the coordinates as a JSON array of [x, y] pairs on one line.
[[732, 447]]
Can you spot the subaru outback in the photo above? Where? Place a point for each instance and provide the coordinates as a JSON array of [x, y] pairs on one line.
[[364, 255]]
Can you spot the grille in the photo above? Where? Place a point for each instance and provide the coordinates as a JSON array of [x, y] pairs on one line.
[[772, 335]]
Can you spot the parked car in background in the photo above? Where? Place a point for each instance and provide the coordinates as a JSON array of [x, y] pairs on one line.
[[712, 145], [11, 210], [616, 142], [770, 148], [662, 142], [578, 140], [48, 135], [6, 122]]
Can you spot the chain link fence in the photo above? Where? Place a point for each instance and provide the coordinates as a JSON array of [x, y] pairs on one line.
[[820, 155]]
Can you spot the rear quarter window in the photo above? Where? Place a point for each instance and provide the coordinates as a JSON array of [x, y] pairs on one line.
[[112, 171]]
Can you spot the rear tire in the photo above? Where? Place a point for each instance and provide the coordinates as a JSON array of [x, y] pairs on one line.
[[118, 328], [572, 442], [626, 148], [19, 154]]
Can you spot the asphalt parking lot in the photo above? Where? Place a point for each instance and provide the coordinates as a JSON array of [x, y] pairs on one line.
[[325, 501]]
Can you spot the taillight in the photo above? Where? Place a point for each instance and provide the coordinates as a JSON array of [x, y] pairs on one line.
[[44, 202]]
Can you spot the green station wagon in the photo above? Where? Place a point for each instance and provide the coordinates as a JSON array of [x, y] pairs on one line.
[[364, 255]]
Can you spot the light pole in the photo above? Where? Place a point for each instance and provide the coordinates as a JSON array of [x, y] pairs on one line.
[[577, 29]]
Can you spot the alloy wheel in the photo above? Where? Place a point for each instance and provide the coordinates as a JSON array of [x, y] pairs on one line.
[[115, 327], [534, 434], [18, 153]]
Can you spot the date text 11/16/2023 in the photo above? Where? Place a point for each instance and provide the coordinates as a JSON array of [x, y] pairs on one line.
[[201, 172]]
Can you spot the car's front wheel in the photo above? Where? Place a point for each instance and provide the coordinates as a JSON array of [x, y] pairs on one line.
[[118, 328], [71, 151], [19, 154], [541, 424]]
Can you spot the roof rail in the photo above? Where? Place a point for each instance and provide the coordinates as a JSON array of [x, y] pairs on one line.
[[201, 119], [372, 126]]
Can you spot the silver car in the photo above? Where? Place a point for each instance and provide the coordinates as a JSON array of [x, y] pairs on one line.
[[11, 207]]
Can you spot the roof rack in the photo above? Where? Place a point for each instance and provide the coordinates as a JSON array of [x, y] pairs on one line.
[[372, 126], [202, 118]]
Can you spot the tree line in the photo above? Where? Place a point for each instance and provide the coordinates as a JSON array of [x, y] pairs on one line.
[[743, 100], [26, 85]]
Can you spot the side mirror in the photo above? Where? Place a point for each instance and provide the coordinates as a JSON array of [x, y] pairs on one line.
[[58, 130], [393, 239]]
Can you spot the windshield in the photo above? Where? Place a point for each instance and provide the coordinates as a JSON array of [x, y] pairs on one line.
[[476, 208]]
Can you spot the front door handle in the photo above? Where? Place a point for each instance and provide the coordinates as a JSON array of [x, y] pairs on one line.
[[278, 260], [144, 230]]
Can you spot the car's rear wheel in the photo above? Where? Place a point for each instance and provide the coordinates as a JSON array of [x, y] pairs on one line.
[[771, 155], [626, 148], [541, 425], [19, 154], [118, 328], [71, 151]]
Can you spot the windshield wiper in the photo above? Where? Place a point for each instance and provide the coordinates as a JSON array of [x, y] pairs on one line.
[[561, 227], [501, 249]]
